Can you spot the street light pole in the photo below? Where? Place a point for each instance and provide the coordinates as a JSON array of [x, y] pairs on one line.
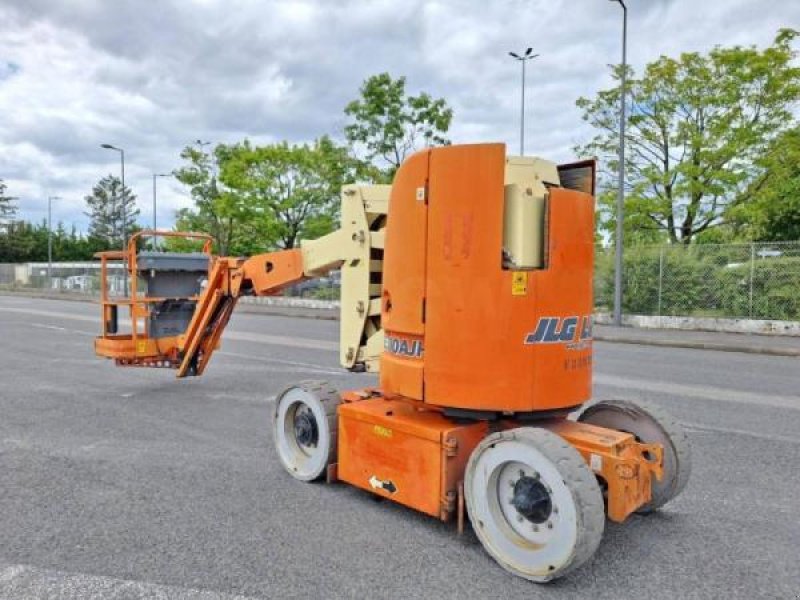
[[524, 58], [155, 204], [124, 210], [618, 264], [50, 239], [202, 146]]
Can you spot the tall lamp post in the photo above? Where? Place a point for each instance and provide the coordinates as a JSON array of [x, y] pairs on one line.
[[155, 204], [524, 58], [621, 175], [124, 211], [50, 239], [202, 146]]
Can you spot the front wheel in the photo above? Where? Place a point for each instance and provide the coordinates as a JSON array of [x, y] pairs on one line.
[[534, 504], [649, 424], [305, 429]]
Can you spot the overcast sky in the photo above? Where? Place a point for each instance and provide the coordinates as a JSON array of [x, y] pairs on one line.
[[151, 77]]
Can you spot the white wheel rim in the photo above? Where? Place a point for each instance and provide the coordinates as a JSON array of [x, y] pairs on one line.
[[529, 549], [303, 462]]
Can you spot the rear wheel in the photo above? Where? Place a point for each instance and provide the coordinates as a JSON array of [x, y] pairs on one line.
[[305, 428], [650, 424], [534, 504]]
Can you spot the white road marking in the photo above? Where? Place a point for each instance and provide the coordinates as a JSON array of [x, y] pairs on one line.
[[281, 340], [301, 366], [64, 329], [10, 573], [25, 581], [784, 439], [294, 366], [260, 338], [705, 392], [660, 387], [50, 313]]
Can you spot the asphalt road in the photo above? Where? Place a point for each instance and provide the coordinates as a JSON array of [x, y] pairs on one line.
[[126, 483]]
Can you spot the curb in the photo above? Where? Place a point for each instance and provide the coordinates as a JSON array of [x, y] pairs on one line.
[[320, 314], [89, 298], [719, 347]]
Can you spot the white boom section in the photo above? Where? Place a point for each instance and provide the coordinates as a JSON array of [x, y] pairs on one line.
[[358, 247]]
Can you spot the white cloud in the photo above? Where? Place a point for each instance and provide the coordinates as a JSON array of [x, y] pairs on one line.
[[152, 77]]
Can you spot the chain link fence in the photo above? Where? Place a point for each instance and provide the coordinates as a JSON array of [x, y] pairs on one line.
[[756, 281], [78, 277], [751, 281], [84, 278]]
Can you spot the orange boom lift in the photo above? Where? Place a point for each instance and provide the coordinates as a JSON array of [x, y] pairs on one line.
[[468, 286]]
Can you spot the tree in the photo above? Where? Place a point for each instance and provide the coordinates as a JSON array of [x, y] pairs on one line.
[[770, 209], [27, 242], [8, 210], [696, 126], [217, 210], [109, 207], [291, 190], [23, 242], [390, 124]]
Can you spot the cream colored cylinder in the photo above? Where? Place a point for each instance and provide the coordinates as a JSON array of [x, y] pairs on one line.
[[523, 228]]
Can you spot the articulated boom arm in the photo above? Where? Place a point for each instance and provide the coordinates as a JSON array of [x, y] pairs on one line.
[[177, 323], [260, 275]]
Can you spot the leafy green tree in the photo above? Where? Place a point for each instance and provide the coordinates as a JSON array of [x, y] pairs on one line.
[[22, 242], [8, 210], [217, 210], [27, 242], [696, 126], [770, 208], [109, 207], [390, 124], [291, 191]]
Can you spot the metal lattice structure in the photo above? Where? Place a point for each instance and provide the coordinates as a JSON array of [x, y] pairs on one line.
[[758, 280]]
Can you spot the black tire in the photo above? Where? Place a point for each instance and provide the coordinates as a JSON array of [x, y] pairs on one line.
[[650, 424]]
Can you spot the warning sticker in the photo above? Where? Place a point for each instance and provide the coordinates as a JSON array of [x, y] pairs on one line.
[[382, 431], [141, 347], [519, 283]]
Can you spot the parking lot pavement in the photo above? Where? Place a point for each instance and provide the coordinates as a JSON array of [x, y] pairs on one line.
[[127, 483]]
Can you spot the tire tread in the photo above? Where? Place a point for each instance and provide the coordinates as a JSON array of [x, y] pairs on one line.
[[674, 432], [578, 478], [329, 398]]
